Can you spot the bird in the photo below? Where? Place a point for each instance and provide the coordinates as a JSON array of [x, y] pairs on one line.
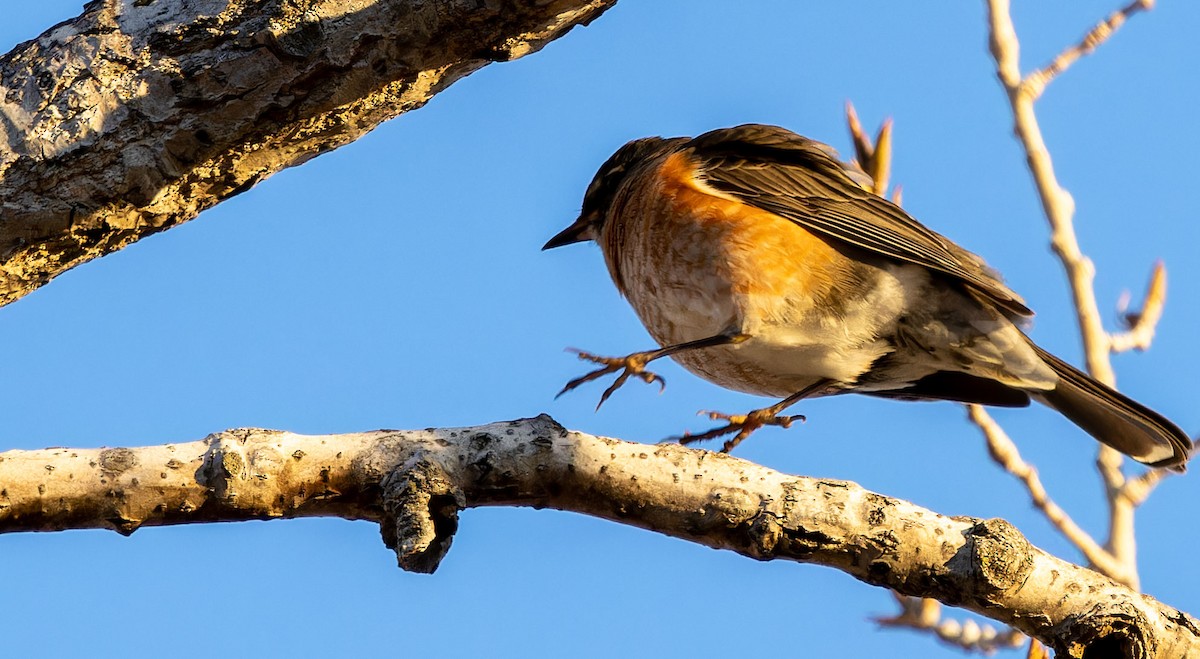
[[759, 261]]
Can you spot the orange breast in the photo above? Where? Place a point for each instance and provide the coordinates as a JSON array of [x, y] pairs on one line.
[[679, 232], [695, 263]]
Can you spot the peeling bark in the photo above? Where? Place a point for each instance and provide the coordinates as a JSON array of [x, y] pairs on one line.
[[139, 114], [414, 483]]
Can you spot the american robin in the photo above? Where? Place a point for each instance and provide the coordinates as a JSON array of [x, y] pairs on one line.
[[762, 263]]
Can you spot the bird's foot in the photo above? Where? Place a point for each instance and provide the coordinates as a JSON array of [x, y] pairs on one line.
[[742, 424], [630, 365]]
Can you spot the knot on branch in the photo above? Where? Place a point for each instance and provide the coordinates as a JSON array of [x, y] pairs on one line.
[[1104, 631], [998, 560], [420, 514], [239, 469], [224, 463], [116, 461]]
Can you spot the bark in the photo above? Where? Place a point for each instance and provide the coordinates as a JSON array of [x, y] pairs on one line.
[[414, 483], [139, 114]]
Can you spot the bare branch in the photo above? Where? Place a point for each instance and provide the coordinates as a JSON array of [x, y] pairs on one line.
[[881, 162], [875, 158], [1137, 489], [925, 615], [1059, 209], [1056, 202], [415, 482], [1037, 81], [1004, 452], [136, 116], [1143, 323], [863, 149]]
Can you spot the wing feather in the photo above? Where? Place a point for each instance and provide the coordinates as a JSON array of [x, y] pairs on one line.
[[802, 180]]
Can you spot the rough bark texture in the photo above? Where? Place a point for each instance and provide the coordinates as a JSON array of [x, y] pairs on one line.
[[139, 114], [415, 482]]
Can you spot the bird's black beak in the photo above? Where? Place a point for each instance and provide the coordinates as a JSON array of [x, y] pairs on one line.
[[578, 232]]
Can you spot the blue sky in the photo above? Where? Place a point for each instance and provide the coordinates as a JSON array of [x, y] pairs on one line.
[[398, 282]]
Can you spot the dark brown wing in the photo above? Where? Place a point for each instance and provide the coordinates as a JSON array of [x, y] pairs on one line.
[[792, 176]]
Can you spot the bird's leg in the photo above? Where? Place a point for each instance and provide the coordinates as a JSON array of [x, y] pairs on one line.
[[744, 424], [635, 364]]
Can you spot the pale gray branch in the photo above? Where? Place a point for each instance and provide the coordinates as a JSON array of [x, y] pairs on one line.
[[1059, 209], [1004, 452], [925, 615], [1036, 82], [1057, 203], [136, 116], [1143, 323], [415, 482]]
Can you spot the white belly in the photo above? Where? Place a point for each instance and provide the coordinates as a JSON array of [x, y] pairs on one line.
[[792, 345]]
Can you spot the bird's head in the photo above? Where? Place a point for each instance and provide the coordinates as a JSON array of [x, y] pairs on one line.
[[602, 191]]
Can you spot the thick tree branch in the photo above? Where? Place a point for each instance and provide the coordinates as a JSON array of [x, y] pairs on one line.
[[136, 116], [415, 482]]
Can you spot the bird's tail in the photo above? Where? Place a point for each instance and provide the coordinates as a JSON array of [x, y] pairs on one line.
[[1114, 418]]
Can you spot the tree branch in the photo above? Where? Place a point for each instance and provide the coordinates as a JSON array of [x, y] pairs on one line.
[[925, 615], [415, 482], [1004, 453], [1059, 209], [1038, 80], [1141, 324], [1057, 203], [136, 116]]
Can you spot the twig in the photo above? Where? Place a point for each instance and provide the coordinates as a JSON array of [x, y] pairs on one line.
[[875, 157], [1137, 489], [925, 615], [863, 149], [881, 163], [1141, 324], [1037, 81], [1059, 209], [1004, 452], [1057, 203]]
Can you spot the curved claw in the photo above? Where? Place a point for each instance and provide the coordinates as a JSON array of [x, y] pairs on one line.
[[737, 439], [650, 378], [787, 421], [587, 377], [688, 438], [742, 424], [629, 365], [613, 387]]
